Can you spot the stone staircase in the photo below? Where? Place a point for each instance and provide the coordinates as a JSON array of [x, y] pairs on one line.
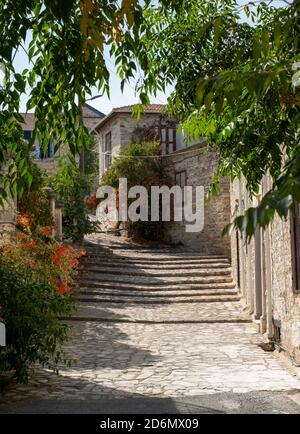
[[123, 282]]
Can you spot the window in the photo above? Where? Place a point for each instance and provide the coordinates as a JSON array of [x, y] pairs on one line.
[[107, 151], [168, 140], [180, 178], [27, 134], [107, 143], [48, 153], [107, 161], [295, 237]]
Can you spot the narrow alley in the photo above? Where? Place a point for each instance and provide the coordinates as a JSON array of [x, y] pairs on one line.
[[159, 330]]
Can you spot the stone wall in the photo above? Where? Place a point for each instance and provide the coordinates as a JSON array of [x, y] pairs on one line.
[[242, 254], [200, 167], [111, 126], [49, 165], [128, 124], [122, 127], [285, 302], [7, 220], [263, 272]]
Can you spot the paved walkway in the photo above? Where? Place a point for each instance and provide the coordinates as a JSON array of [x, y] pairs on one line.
[[162, 367]]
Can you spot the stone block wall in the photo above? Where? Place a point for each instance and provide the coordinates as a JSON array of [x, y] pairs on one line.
[[285, 302], [128, 124], [200, 167], [7, 220], [112, 126], [263, 271]]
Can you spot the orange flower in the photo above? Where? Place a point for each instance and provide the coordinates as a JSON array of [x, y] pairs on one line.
[[55, 282], [30, 245], [60, 250], [21, 237], [57, 260], [63, 289], [7, 249], [48, 231], [23, 220]]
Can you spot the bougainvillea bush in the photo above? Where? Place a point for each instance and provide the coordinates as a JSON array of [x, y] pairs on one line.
[[36, 273]]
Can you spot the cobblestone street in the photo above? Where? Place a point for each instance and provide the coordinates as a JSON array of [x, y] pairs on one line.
[[208, 361]]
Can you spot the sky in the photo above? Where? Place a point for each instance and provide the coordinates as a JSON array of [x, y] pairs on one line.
[[103, 104], [117, 98]]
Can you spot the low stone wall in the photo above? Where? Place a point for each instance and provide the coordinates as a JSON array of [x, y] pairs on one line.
[[200, 166]]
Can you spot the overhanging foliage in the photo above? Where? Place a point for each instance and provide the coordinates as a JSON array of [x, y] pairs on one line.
[[237, 83]]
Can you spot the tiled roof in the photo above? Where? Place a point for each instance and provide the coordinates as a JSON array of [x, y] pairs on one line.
[[149, 109], [91, 118]]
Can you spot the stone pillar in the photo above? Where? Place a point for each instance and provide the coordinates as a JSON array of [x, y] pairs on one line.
[[258, 276], [269, 328], [51, 198], [7, 219], [58, 220], [263, 318], [2, 334]]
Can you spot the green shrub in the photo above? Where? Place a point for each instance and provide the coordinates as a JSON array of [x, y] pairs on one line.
[[36, 204], [73, 187], [140, 164], [34, 201], [30, 307]]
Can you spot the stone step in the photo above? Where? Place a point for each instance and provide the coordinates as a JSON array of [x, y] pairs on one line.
[[162, 287], [124, 271], [131, 246], [185, 313], [153, 280], [142, 299], [142, 249], [170, 252], [168, 265], [155, 256], [154, 292]]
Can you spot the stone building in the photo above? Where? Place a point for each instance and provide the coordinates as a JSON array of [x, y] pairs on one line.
[[119, 128], [186, 162], [266, 271], [47, 160]]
